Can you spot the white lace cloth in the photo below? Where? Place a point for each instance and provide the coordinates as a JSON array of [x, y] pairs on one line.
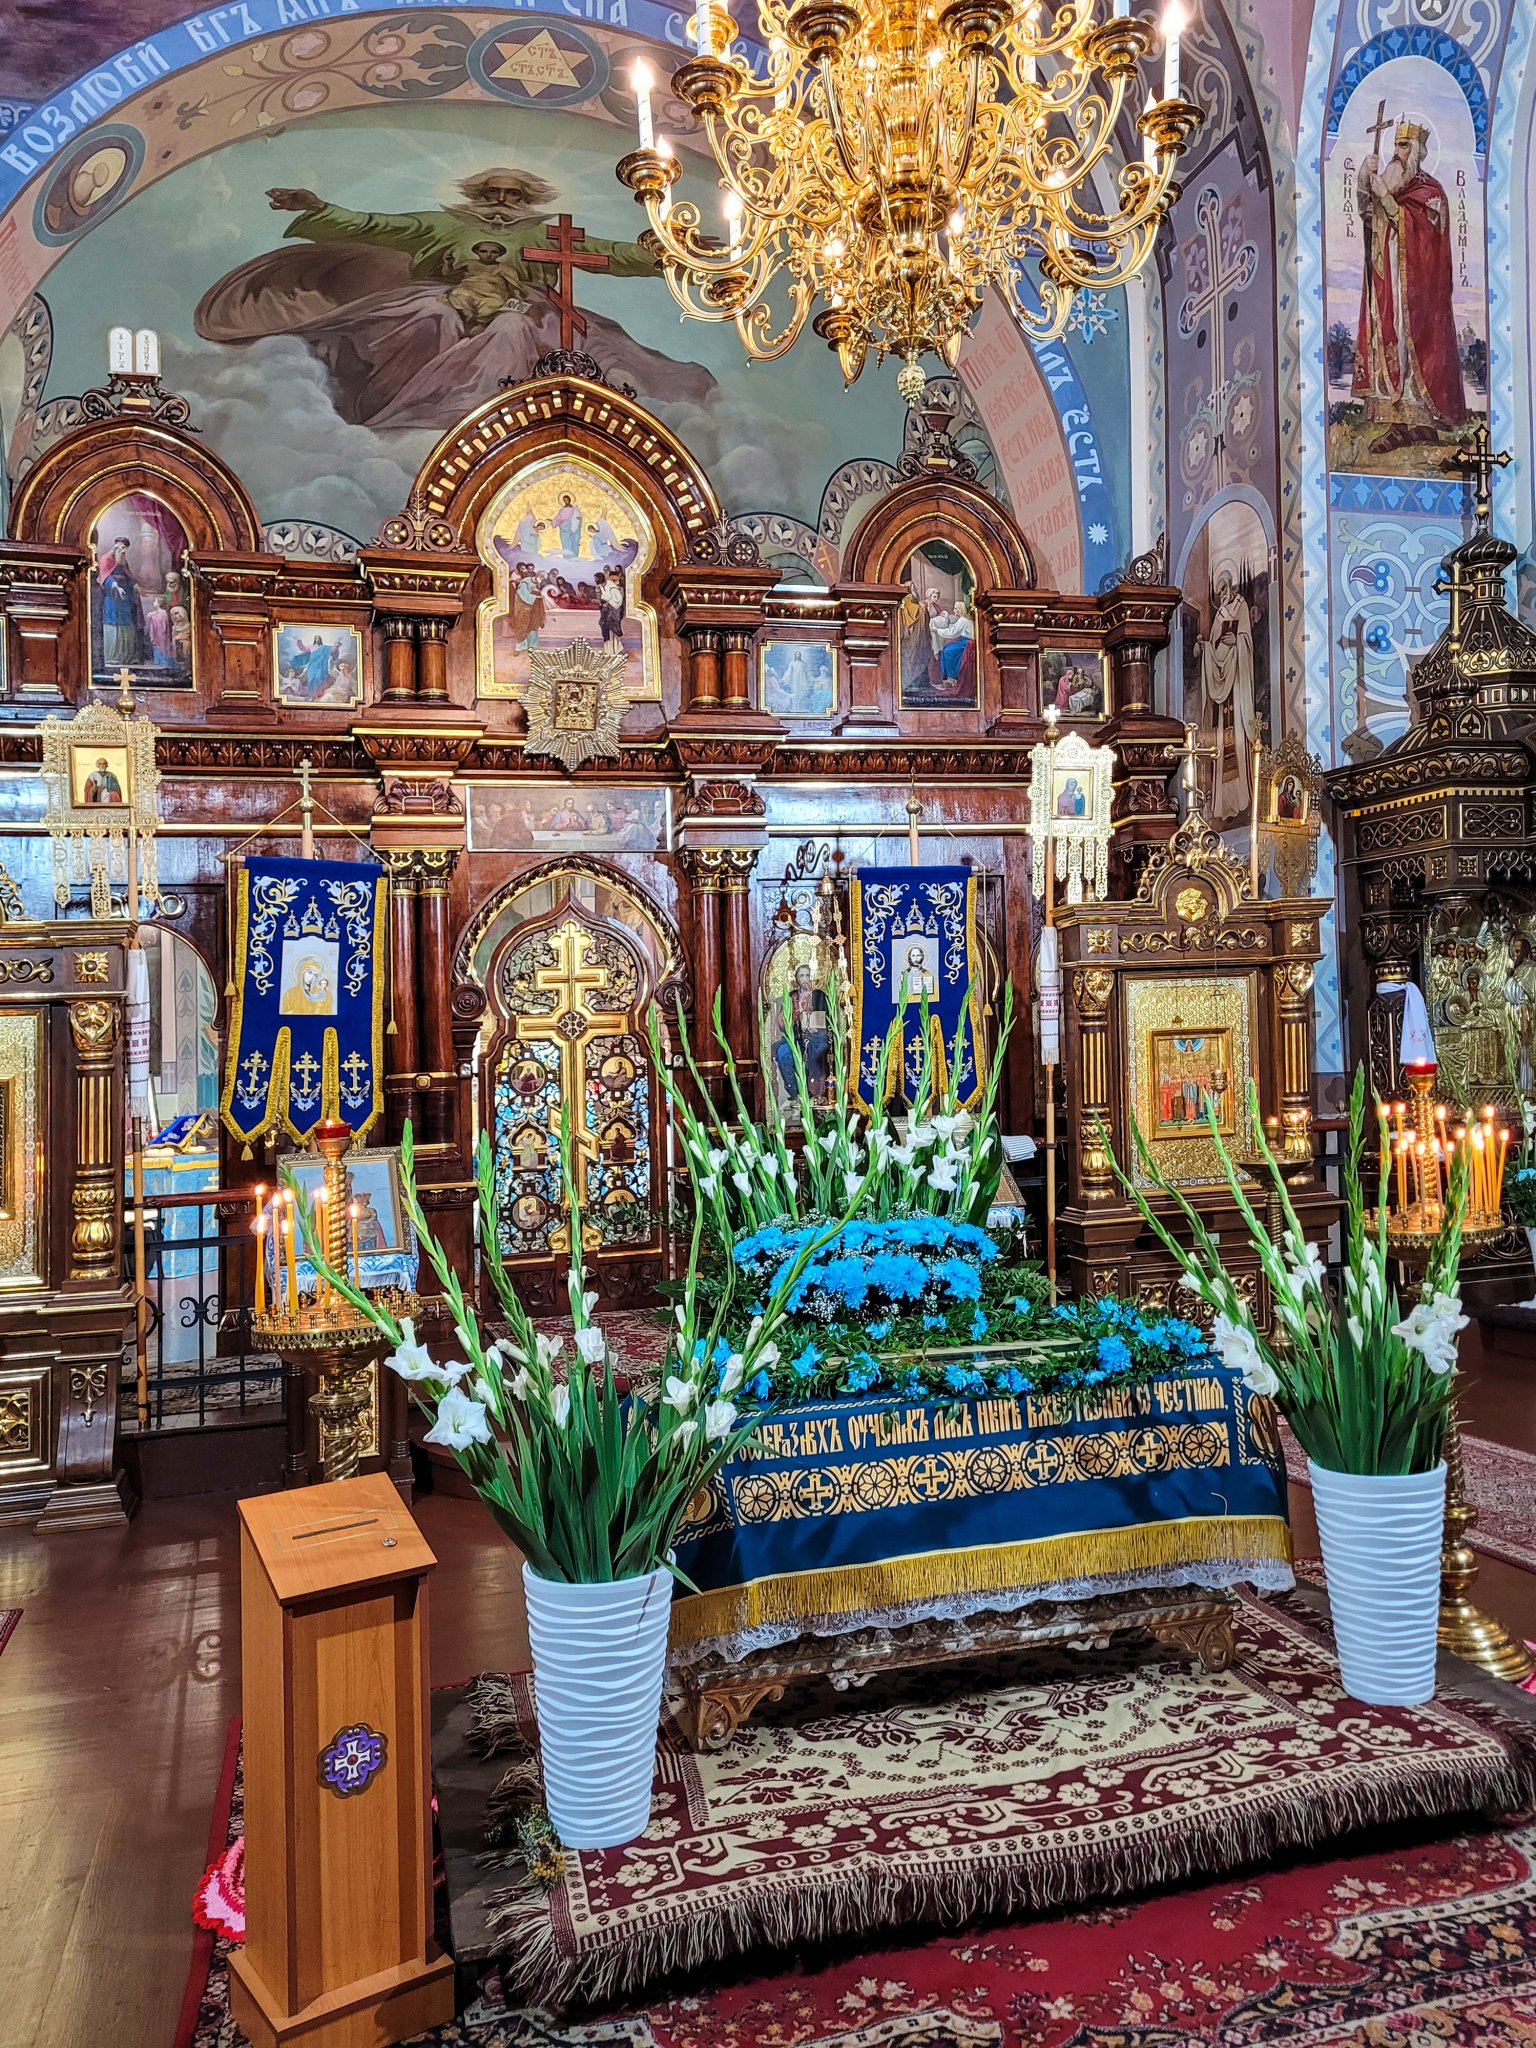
[[1265, 1575]]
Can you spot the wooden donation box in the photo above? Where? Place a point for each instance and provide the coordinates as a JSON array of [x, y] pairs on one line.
[[338, 1950]]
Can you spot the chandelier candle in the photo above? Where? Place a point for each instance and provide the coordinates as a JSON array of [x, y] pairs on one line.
[[642, 79]]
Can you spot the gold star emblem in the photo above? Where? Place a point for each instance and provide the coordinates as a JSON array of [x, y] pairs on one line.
[[538, 65]]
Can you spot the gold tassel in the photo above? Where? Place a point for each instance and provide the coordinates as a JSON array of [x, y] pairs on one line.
[[389, 1029], [229, 991], [1036, 1560], [246, 1153]]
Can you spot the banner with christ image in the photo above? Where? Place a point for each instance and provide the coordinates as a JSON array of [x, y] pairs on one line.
[[306, 1036], [914, 945]]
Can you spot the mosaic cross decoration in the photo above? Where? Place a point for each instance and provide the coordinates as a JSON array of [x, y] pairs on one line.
[[352, 1759]]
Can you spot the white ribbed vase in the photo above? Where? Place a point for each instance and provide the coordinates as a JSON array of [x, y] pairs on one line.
[[599, 1659], [1381, 1535]]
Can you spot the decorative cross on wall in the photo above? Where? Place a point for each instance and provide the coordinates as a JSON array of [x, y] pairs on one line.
[[1477, 461], [565, 254]]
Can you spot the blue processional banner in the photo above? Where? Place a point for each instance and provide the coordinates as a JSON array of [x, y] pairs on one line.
[[306, 1036], [914, 952], [845, 1507]]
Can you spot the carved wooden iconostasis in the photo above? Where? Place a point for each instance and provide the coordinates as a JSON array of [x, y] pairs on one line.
[[573, 841]]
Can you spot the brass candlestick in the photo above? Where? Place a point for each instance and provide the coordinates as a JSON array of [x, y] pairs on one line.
[[1465, 1629], [329, 1333]]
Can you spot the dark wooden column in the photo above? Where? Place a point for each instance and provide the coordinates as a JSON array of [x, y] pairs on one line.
[[704, 669], [402, 1045], [432, 660], [736, 680], [703, 866], [740, 985], [399, 660], [435, 868]]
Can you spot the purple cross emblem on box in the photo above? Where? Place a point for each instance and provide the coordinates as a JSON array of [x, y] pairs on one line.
[[352, 1759]]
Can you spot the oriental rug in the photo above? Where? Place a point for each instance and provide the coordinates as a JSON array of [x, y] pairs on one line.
[[1501, 1484], [1401, 1943]]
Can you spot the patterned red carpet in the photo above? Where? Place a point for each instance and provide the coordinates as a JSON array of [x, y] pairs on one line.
[[1501, 1484], [1424, 1936]]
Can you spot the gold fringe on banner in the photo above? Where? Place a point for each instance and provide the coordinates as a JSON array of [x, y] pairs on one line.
[[934, 1574]]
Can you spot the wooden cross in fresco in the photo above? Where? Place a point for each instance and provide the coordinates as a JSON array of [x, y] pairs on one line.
[[565, 253], [1379, 126], [569, 1027]]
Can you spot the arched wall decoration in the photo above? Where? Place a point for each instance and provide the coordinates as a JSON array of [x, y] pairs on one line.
[[981, 529], [549, 415], [75, 479]]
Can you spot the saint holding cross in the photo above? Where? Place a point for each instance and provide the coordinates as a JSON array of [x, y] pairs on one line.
[[417, 315]]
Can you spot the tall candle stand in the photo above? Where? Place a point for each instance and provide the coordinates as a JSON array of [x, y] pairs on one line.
[[1421, 1152], [320, 1328]]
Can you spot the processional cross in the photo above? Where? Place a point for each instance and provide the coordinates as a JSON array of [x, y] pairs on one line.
[[568, 1027], [1191, 754], [565, 254]]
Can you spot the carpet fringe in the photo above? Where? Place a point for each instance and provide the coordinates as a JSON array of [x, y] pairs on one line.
[[781, 1912]]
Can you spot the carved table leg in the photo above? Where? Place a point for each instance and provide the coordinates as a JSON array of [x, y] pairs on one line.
[[717, 1711], [1205, 1633]]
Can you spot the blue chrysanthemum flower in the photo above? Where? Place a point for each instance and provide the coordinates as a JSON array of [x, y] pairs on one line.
[[1114, 1354]]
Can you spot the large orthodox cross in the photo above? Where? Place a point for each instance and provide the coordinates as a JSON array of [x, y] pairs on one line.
[[1477, 462], [1352, 644], [565, 254], [1192, 754], [1230, 263], [569, 1027]]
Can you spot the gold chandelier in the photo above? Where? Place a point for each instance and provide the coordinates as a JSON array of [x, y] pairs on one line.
[[887, 160]]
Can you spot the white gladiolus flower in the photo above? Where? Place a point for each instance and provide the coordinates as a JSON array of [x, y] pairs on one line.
[[680, 1394], [742, 1180], [903, 1154], [828, 1141], [941, 1175], [685, 1432], [708, 1186], [1238, 1349], [1431, 1328], [460, 1422], [767, 1358], [411, 1360], [735, 1372], [1302, 1272], [589, 1301], [560, 1405], [920, 1134], [519, 1384], [1356, 1331], [592, 1344], [719, 1420], [852, 1181], [717, 1158], [948, 1126], [548, 1348]]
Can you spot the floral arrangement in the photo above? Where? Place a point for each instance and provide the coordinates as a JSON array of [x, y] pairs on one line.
[[1365, 1386], [1520, 1182], [878, 1307], [587, 1474], [746, 1175]]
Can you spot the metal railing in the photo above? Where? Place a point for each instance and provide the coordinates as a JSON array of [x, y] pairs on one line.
[[200, 1269]]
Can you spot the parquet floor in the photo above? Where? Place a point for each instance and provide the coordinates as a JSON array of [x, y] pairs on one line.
[[117, 1689]]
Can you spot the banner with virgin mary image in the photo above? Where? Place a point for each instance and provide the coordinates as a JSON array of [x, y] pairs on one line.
[[914, 948]]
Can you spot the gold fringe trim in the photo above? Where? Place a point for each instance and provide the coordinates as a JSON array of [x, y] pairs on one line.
[[993, 1568]]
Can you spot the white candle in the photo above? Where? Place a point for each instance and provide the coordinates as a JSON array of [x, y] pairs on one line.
[[778, 50], [664, 204], [1148, 146], [642, 80], [1122, 9], [1173, 27], [733, 219], [703, 27]]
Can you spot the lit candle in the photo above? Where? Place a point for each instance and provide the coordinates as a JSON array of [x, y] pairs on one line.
[[642, 79], [733, 220], [319, 1240], [261, 1263], [293, 1268], [1173, 27], [778, 51], [1401, 1149], [703, 28], [357, 1264], [1498, 1192]]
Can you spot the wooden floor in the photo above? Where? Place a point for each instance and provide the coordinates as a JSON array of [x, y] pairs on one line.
[[115, 1697]]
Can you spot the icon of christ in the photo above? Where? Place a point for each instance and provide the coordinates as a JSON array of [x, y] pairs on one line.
[[417, 316]]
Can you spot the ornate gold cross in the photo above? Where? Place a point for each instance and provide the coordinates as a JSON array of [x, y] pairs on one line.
[[1477, 461], [569, 1027]]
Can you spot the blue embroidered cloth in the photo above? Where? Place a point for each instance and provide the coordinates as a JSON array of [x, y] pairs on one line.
[[306, 1038], [914, 939], [844, 1508]]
